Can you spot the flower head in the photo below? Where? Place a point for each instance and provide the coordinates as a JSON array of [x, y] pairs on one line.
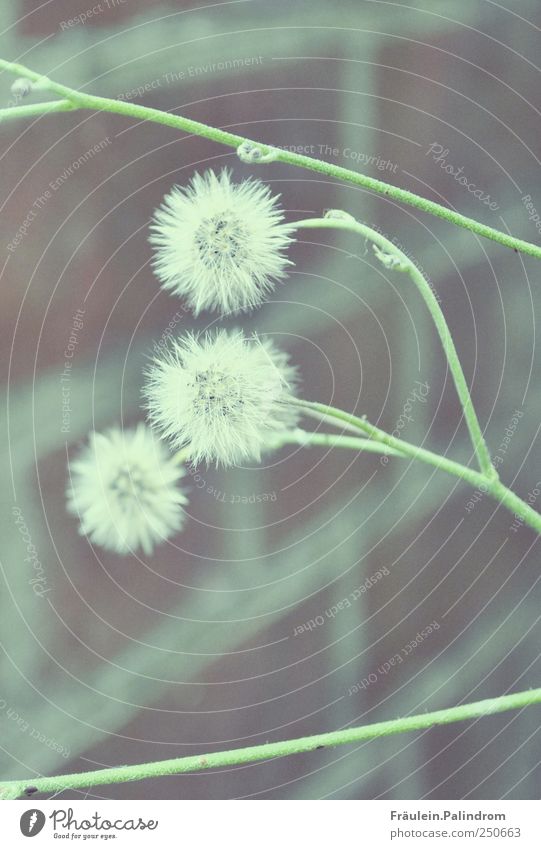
[[220, 244], [124, 490], [222, 395]]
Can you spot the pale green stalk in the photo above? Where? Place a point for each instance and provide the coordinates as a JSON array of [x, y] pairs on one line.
[[235, 757], [478, 480], [267, 153], [343, 221], [34, 110], [182, 455], [331, 440]]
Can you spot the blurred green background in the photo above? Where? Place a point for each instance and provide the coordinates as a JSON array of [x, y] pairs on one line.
[[199, 647]]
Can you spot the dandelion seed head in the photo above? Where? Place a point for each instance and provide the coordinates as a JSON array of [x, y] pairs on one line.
[[219, 244], [124, 490], [222, 395]]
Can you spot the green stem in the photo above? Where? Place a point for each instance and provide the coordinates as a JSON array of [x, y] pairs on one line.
[[30, 110], [478, 480], [342, 221], [332, 440], [144, 113], [515, 504], [234, 757], [182, 455]]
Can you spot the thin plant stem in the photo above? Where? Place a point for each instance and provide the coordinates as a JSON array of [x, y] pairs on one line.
[[235, 757], [32, 110], [267, 153], [478, 480], [332, 440], [330, 421], [404, 264], [306, 439], [378, 440]]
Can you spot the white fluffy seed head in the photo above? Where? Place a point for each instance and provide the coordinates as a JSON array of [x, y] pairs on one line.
[[124, 489], [222, 395], [219, 244]]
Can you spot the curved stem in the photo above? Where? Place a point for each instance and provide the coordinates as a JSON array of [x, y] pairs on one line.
[[30, 110], [401, 262], [144, 113], [479, 480], [233, 757], [332, 440], [515, 504]]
